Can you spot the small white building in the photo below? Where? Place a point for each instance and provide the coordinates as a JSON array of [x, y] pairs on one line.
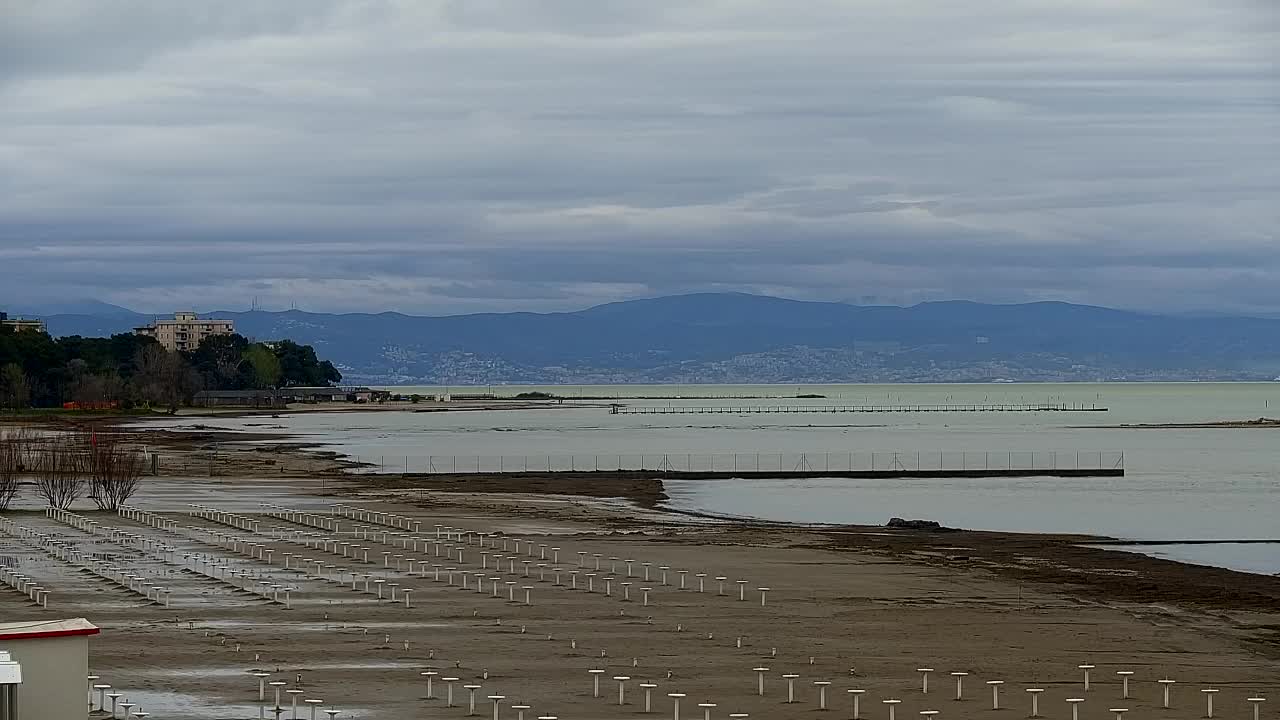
[[54, 660], [10, 679]]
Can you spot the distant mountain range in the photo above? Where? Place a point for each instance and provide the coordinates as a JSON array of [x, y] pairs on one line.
[[738, 338]]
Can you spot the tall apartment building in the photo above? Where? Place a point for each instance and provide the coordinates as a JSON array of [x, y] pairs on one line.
[[185, 331], [20, 324]]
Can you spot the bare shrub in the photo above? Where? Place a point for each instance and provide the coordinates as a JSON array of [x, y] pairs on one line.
[[15, 387], [60, 472], [15, 446], [163, 377], [115, 471]]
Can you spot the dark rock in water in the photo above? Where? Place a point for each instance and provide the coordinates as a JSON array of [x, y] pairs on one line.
[[913, 524]]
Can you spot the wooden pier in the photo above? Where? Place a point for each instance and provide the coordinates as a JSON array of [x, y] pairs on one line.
[[619, 409], [541, 476], [855, 464]]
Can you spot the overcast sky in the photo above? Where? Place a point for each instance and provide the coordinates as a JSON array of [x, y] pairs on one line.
[[439, 156]]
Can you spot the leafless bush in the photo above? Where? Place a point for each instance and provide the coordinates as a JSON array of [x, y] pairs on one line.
[[60, 472], [163, 377], [115, 471], [14, 448], [15, 387]]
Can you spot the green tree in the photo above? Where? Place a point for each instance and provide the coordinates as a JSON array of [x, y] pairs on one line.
[[300, 366], [266, 370], [132, 369], [219, 360]]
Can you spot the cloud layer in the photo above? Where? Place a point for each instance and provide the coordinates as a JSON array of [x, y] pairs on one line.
[[458, 155]]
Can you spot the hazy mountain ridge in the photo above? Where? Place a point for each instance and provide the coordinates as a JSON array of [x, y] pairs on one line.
[[747, 338]]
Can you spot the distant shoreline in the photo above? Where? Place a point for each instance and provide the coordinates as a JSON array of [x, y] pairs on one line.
[[525, 386], [1260, 423]]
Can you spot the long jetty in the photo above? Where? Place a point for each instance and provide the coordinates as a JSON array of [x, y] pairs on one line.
[[856, 464], [619, 409], [538, 476]]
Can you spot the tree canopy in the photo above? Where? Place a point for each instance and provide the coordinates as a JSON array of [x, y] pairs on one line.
[[300, 366], [129, 370]]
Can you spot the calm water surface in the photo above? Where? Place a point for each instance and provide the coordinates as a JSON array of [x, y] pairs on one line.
[[1181, 484]]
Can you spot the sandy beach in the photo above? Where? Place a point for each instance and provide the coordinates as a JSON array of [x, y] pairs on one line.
[[859, 607]]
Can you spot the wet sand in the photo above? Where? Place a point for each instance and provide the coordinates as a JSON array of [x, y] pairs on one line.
[[860, 607]]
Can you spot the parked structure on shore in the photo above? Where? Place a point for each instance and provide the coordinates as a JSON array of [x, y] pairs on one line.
[[346, 393], [277, 399], [267, 399], [185, 331]]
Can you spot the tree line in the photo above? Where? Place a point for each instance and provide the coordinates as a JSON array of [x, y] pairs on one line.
[[133, 371]]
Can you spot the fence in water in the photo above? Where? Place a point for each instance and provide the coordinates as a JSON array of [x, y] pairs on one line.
[[619, 409], [756, 463]]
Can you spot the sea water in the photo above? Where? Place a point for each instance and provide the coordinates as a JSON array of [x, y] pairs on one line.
[[1180, 483]]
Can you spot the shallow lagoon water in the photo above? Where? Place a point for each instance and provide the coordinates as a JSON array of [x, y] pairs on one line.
[[1263, 559], [1185, 483], [1138, 508]]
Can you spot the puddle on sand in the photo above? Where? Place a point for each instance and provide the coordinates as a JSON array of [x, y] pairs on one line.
[[208, 672], [164, 704], [311, 627], [193, 707]]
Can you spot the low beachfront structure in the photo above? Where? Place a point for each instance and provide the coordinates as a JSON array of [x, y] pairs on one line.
[[355, 394], [238, 398], [54, 659]]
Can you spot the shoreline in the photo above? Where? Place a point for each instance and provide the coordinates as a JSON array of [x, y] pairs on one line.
[[861, 609], [1261, 423], [861, 606], [1054, 558]]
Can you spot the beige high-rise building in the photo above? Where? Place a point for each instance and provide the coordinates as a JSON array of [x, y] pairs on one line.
[[185, 331], [19, 324]]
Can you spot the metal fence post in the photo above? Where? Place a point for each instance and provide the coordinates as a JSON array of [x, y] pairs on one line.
[[1054, 461]]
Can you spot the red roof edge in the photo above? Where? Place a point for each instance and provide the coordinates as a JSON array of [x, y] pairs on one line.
[[50, 634]]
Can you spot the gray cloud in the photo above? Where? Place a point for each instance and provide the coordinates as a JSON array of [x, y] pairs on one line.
[[459, 155]]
